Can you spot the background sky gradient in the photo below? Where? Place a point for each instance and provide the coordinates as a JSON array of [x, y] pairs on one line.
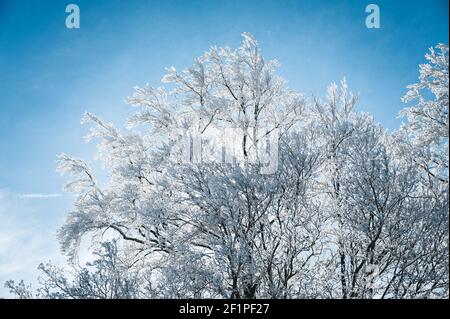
[[50, 75]]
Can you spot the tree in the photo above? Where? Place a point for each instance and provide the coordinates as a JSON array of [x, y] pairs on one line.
[[227, 184], [107, 277], [427, 127], [248, 233], [423, 142]]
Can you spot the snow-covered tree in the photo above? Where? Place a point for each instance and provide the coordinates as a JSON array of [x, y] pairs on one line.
[[228, 184], [427, 127], [213, 228], [423, 143], [107, 277]]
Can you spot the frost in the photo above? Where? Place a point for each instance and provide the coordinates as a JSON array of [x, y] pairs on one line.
[[352, 211]]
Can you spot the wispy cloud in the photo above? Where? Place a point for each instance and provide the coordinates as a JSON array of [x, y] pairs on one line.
[[11, 195], [27, 236], [38, 196]]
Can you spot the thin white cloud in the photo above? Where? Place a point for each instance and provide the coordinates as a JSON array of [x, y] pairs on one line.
[[38, 196], [27, 235]]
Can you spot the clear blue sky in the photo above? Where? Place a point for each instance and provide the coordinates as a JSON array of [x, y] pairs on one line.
[[50, 75]]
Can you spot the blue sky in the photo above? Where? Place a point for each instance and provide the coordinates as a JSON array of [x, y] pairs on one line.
[[50, 75]]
